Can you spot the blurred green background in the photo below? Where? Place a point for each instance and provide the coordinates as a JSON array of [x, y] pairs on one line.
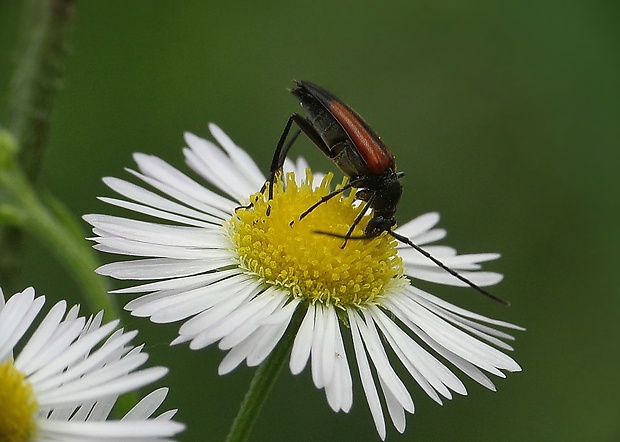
[[504, 115]]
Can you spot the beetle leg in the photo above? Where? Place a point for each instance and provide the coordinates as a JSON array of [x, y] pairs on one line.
[[330, 196], [282, 149], [278, 159], [357, 220], [348, 235], [279, 155]]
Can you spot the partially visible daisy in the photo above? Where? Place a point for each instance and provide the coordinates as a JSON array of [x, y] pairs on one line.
[[63, 383], [237, 276]]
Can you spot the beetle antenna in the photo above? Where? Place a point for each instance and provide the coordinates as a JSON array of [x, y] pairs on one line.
[[420, 250], [454, 273]]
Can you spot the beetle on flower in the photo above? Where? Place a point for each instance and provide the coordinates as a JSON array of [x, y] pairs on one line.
[[241, 277]]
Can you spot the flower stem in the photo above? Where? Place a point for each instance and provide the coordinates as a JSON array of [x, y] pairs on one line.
[[264, 379], [37, 78], [52, 226]]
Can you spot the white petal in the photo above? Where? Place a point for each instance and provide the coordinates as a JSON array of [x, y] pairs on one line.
[[428, 372], [255, 323], [113, 226], [177, 285], [283, 314], [440, 276], [16, 316], [147, 406], [239, 155], [208, 160], [179, 186], [329, 344], [174, 305], [100, 410], [161, 268], [303, 342], [453, 339], [110, 384], [72, 354], [448, 256], [368, 382], [316, 351], [424, 238], [89, 363], [244, 162], [248, 312], [418, 225], [238, 354], [255, 348], [489, 334], [218, 314], [395, 409], [460, 311], [166, 207], [375, 349], [52, 341], [339, 391], [108, 431], [122, 246], [270, 336]]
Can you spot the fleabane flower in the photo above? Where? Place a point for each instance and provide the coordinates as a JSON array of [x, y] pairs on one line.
[[63, 383], [239, 270]]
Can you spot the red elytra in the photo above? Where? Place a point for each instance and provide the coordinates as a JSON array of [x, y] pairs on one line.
[[375, 153]]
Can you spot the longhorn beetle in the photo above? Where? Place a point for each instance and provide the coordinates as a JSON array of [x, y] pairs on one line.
[[344, 137]]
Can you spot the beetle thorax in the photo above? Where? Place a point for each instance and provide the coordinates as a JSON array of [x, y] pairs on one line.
[[383, 192]]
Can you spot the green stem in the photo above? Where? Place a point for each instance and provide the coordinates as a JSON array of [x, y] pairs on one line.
[[25, 209], [37, 78], [264, 379], [56, 229]]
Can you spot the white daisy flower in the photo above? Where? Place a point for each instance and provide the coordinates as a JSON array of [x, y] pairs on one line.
[[65, 380], [237, 276]]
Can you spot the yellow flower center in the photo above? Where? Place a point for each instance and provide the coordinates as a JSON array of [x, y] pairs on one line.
[[282, 250], [18, 405]]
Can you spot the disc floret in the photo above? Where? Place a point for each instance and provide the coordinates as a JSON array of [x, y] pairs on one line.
[[273, 244]]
